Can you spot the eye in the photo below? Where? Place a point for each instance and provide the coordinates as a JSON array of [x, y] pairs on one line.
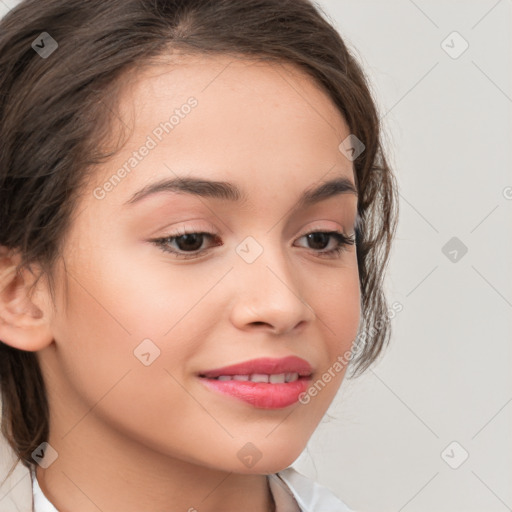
[[185, 241], [191, 242], [322, 238]]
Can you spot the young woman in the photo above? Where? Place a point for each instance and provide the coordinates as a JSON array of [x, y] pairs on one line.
[[196, 215]]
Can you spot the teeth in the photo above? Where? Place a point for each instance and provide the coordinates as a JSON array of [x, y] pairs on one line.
[[240, 377], [291, 377], [259, 377], [277, 378]]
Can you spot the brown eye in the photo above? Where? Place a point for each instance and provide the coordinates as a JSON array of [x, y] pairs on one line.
[[319, 240], [185, 244], [190, 241]]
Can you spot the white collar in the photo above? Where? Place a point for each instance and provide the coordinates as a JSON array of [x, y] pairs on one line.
[[309, 495], [41, 503]]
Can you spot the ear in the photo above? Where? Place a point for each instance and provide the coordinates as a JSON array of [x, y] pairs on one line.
[[24, 316]]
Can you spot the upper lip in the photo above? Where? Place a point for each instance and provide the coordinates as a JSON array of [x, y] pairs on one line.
[[263, 365]]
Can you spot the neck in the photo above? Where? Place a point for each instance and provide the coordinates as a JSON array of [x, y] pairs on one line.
[[99, 469]]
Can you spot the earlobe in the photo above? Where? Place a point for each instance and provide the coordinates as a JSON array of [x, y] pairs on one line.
[[24, 314]]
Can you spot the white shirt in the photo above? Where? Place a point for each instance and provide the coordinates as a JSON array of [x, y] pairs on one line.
[[292, 492]]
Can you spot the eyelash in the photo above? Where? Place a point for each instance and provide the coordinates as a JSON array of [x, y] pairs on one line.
[[342, 239]]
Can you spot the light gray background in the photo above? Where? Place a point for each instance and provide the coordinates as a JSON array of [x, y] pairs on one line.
[[386, 444]]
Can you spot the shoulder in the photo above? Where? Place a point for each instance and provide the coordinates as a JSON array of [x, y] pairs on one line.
[[311, 496]]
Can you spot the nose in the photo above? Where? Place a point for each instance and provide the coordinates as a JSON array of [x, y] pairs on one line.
[[267, 295]]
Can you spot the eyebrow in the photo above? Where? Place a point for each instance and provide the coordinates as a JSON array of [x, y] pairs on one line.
[[228, 191]]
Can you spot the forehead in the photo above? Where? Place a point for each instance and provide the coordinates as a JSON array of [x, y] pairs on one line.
[[181, 72], [264, 123], [225, 83]]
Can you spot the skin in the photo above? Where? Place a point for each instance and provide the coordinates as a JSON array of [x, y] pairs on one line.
[[133, 437]]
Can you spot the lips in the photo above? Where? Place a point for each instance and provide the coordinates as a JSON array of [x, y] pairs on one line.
[[264, 383], [263, 366]]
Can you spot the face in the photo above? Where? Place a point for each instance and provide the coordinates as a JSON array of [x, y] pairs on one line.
[[160, 285]]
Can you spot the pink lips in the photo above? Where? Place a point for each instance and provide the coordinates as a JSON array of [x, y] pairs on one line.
[[266, 383]]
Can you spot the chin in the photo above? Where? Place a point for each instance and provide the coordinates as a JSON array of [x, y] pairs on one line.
[[273, 459]]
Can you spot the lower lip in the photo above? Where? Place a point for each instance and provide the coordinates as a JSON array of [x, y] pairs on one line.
[[260, 394]]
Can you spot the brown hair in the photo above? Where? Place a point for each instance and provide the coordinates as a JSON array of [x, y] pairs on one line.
[[56, 113]]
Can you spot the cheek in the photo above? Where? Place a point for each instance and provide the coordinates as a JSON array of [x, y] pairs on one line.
[[93, 339], [101, 377], [113, 306], [109, 317], [337, 302], [151, 294]]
